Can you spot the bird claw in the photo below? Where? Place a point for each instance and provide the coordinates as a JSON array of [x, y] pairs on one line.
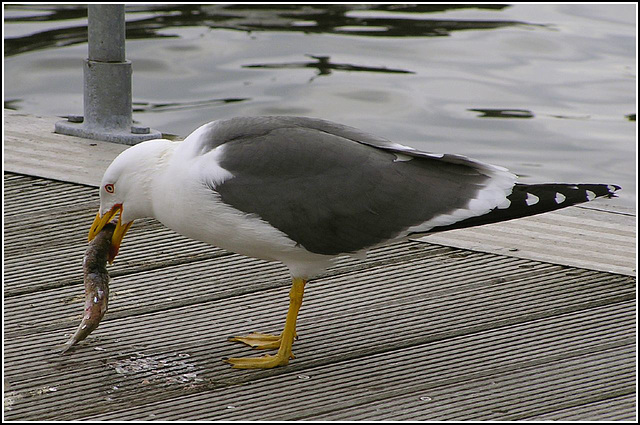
[[259, 340], [265, 362]]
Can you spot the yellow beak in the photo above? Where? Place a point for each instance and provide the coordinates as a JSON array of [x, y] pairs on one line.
[[118, 233]]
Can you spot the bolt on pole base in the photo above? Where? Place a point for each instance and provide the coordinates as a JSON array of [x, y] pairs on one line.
[[74, 126]]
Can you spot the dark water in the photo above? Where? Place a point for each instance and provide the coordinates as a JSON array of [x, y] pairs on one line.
[[548, 91]]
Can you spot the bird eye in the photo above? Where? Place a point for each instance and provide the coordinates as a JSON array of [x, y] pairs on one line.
[[109, 188]]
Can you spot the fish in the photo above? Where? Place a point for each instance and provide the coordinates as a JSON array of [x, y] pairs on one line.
[[96, 285]]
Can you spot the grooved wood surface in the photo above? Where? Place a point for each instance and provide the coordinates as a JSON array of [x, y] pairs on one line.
[[416, 331]]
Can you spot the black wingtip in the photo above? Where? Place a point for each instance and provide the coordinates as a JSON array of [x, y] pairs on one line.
[[531, 199], [613, 188]]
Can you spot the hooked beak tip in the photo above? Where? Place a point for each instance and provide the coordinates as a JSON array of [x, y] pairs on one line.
[[118, 233], [101, 220]]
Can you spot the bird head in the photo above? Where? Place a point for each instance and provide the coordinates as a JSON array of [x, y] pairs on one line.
[[126, 189]]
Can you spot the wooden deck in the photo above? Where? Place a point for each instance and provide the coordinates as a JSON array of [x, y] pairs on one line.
[[534, 319]]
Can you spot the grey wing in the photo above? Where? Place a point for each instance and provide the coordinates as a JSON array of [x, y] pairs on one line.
[[332, 192]]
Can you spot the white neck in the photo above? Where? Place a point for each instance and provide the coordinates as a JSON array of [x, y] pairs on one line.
[[151, 159]]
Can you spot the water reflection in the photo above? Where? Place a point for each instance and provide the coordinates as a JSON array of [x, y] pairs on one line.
[[12, 104], [178, 106], [344, 19], [325, 66], [503, 113]]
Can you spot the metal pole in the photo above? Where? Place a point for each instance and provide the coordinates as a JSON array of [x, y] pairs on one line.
[[107, 83], [106, 19]]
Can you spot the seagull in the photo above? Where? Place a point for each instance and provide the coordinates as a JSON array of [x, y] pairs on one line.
[[304, 191]]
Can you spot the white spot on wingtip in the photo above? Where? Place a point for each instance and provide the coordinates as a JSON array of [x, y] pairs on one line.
[[560, 198], [590, 195], [531, 199], [401, 157], [504, 204], [611, 188]]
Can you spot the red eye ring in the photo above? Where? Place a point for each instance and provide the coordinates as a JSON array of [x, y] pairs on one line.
[[109, 188]]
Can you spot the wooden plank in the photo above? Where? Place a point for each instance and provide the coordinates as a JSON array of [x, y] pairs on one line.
[[572, 359], [576, 236], [31, 147], [621, 408], [506, 396]]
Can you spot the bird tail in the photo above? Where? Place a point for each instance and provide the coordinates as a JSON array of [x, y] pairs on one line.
[[531, 199]]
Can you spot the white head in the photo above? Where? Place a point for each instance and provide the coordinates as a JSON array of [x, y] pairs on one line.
[[126, 188]]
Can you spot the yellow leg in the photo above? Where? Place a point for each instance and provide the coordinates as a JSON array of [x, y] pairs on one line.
[[282, 342]]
